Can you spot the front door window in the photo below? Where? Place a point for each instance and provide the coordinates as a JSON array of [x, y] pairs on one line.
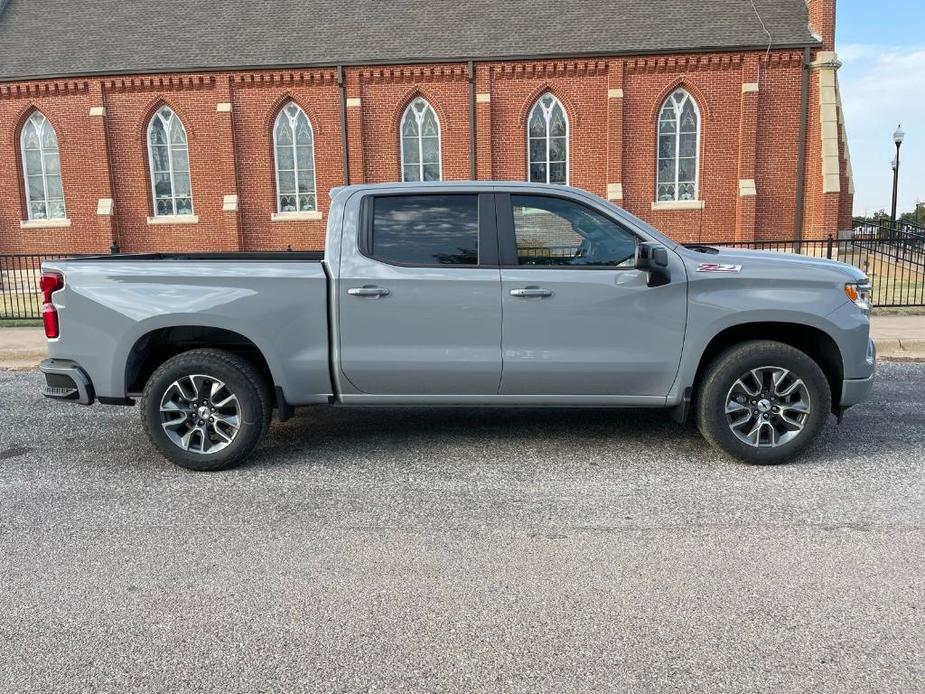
[[559, 232]]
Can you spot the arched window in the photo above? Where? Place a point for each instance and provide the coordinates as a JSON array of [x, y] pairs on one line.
[[294, 145], [41, 169], [678, 148], [169, 160], [420, 143], [547, 141]]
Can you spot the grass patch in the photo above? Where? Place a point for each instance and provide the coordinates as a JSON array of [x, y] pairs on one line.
[[20, 323], [898, 311], [893, 290], [16, 306]]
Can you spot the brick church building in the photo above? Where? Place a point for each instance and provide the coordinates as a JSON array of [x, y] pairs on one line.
[[192, 125]]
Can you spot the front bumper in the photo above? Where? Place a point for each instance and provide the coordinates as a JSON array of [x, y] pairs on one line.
[[855, 390], [65, 380]]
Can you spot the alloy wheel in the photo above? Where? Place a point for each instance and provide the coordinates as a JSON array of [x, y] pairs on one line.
[[767, 406], [200, 414]]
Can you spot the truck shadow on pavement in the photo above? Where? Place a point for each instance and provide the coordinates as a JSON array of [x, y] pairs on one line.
[[333, 436]]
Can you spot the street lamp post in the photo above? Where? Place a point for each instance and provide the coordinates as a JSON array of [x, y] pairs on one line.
[[898, 136]]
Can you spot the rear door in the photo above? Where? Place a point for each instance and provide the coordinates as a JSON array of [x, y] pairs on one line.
[[579, 319], [419, 296]]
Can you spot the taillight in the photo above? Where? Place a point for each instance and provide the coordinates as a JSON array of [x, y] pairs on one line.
[[49, 284]]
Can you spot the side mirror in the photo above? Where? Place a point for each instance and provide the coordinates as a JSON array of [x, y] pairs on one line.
[[653, 258]]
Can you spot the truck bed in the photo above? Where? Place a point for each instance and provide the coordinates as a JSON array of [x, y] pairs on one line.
[[112, 306], [275, 256]]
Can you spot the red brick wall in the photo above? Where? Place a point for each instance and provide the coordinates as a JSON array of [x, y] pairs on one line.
[[715, 82], [612, 140], [778, 141], [581, 88], [822, 21], [84, 172], [129, 108], [256, 102], [386, 92]]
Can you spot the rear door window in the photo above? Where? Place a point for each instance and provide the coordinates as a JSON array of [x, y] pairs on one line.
[[425, 230]]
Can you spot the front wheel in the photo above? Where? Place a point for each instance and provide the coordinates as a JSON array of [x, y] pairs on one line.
[[206, 409], [763, 402]]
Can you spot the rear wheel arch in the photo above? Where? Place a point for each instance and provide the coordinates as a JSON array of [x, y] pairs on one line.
[[157, 346], [812, 341]]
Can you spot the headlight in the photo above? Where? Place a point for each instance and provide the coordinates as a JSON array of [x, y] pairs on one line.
[[860, 294]]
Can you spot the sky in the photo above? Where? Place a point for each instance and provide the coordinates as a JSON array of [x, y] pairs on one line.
[[881, 44]]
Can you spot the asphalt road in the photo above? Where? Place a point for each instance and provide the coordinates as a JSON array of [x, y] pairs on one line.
[[464, 551]]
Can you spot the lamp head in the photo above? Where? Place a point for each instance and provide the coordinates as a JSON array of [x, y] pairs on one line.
[[898, 135]]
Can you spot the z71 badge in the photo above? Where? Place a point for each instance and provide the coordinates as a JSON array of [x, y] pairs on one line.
[[719, 267]]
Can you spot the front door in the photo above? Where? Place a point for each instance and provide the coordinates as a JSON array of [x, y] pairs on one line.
[[579, 319], [419, 301]]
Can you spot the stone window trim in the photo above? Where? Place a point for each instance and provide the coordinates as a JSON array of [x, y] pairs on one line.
[[294, 161], [174, 219], [672, 127], [411, 133], [309, 216], [41, 170], [546, 107], [678, 205], [45, 223], [171, 181]]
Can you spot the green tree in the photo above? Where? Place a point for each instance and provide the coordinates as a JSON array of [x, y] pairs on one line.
[[917, 216]]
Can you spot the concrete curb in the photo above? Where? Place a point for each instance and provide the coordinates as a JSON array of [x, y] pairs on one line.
[[21, 360], [913, 346], [892, 349]]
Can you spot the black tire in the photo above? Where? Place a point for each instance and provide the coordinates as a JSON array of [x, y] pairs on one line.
[[716, 387], [241, 378]]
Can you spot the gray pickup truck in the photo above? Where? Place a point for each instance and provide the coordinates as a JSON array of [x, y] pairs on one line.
[[463, 294]]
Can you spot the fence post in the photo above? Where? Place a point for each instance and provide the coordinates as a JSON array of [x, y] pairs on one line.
[[828, 247]]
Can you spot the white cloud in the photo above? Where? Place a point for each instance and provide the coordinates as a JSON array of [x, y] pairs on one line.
[[850, 52], [883, 86]]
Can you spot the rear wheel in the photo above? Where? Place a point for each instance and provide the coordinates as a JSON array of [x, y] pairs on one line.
[[763, 402], [206, 409]]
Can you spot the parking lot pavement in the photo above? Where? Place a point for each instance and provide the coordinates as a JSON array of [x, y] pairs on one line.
[[470, 551]]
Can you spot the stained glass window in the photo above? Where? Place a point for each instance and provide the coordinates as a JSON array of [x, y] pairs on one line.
[[168, 157], [547, 141], [294, 145], [420, 143], [42, 169], [678, 148]]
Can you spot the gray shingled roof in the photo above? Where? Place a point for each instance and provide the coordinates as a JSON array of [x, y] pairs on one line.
[[45, 38]]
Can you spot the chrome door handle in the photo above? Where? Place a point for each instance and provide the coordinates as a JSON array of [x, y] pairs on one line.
[[368, 291], [528, 292]]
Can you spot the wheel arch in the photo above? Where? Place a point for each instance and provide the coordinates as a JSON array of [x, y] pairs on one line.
[[814, 342], [158, 345]]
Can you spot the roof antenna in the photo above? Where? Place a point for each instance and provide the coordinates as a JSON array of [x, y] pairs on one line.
[[765, 29]]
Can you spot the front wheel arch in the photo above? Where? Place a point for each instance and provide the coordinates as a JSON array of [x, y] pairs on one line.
[[815, 343]]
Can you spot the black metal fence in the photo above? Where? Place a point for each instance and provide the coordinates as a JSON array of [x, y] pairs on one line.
[[893, 258], [20, 297]]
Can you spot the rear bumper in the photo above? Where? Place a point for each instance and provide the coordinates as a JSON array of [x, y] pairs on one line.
[[65, 380]]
